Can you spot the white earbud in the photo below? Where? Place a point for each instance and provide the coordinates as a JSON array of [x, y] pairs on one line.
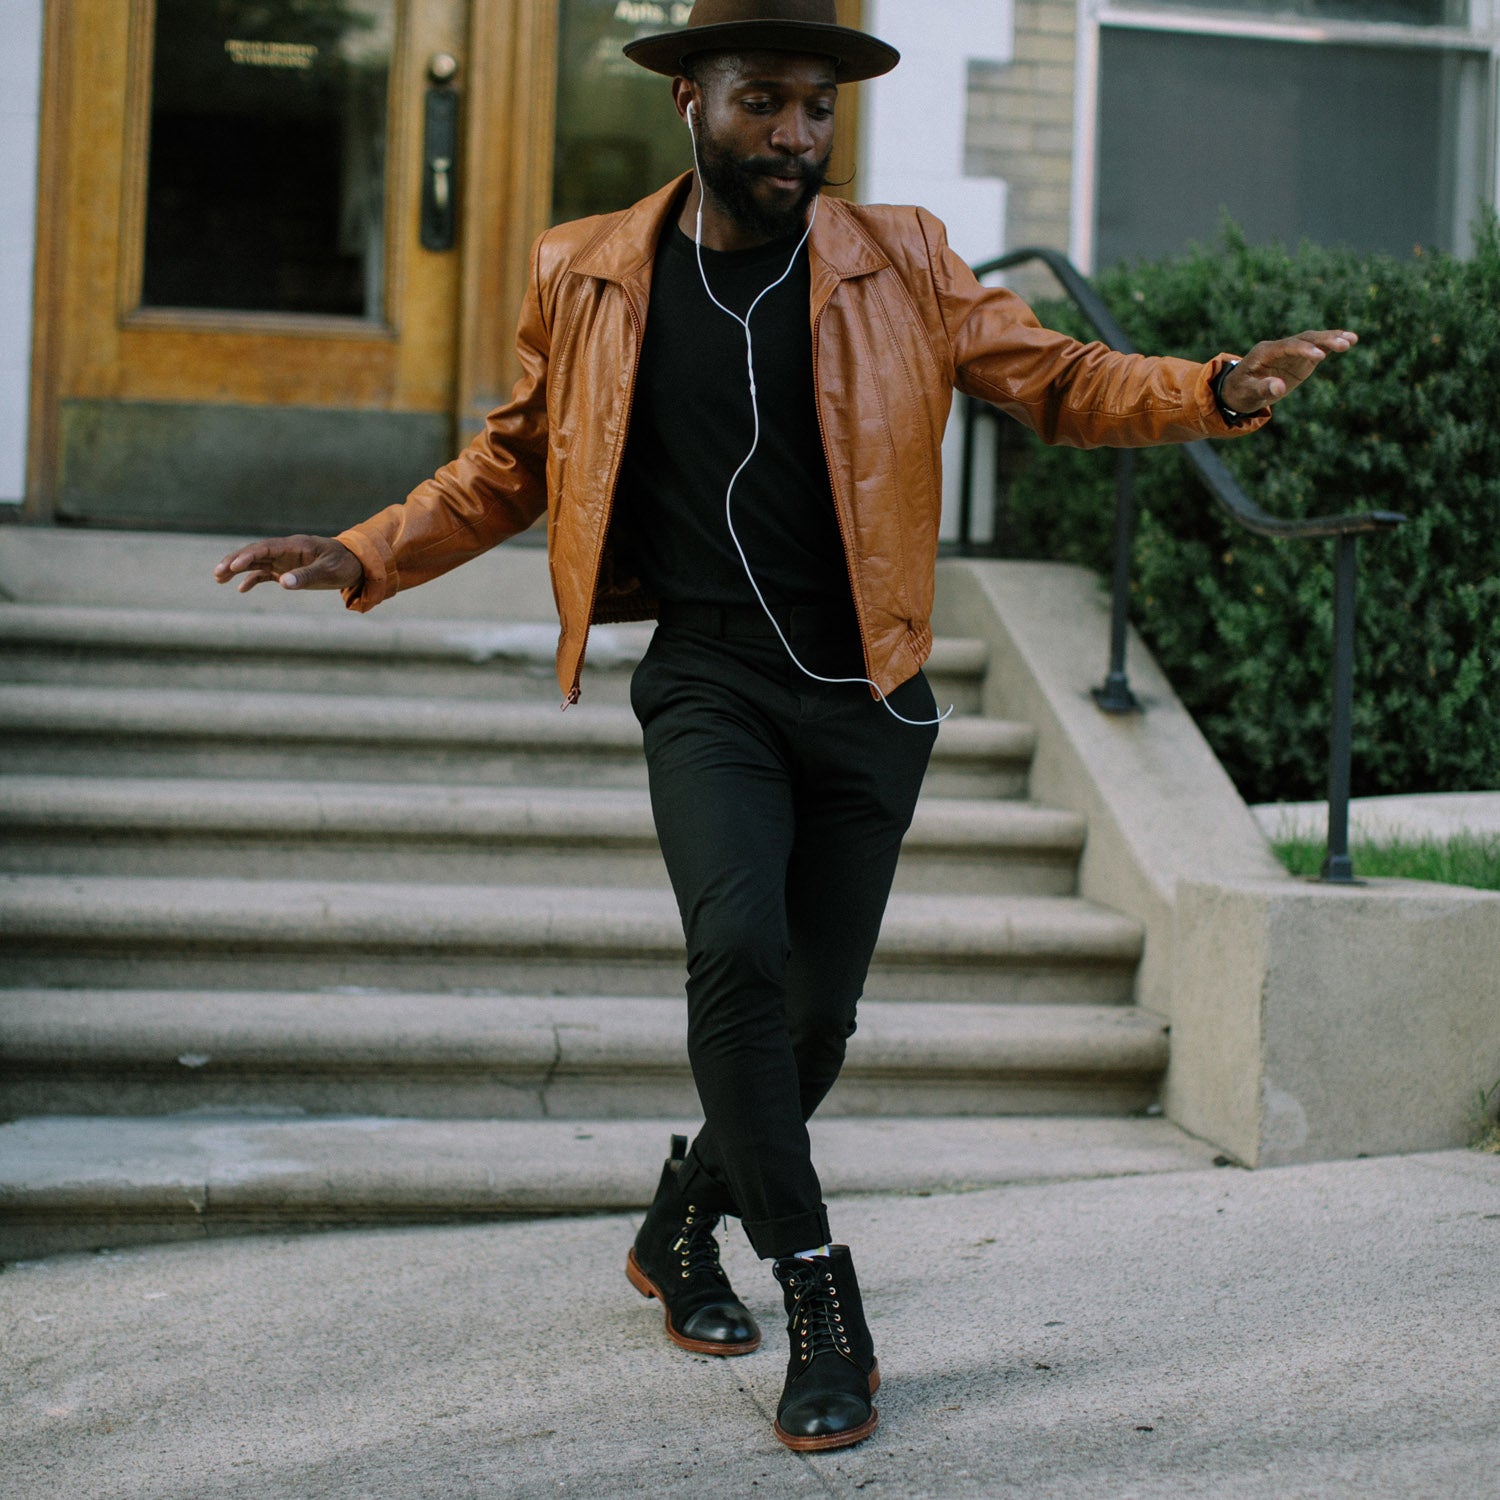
[[690, 109]]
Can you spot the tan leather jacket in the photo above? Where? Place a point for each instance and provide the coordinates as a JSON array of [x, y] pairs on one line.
[[898, 321]]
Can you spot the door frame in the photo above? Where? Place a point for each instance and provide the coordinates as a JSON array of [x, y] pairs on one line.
[[509, 107]]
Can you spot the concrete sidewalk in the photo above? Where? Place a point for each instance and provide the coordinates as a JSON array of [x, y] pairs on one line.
[[1328, 1330], [1435, 815]]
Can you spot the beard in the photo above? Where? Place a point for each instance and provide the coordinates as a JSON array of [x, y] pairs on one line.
[[730, 179]]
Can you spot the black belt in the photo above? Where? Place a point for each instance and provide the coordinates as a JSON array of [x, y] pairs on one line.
[[726, 621]]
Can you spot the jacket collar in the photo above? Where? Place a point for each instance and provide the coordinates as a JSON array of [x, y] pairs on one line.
[[625, 246]]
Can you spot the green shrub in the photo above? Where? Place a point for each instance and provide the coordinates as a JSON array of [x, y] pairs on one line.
[[1407, 421]]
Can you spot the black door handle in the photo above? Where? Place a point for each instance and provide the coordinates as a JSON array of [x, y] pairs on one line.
[[440, 155]]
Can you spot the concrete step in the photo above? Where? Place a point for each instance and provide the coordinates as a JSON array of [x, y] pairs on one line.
[[341, 653], [328, 653], [109, 931], [131, 1052], [263, 830], [298, 736], [78, 1184]]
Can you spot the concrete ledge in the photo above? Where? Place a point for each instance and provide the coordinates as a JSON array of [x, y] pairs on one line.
[[1373, 1012], [511, 919], [201, 1032], [520, 1057], [245, 809], [199, 827], [174, 570], [275, 716], [223, 632], [1437, 815], [1159, 806], [340, 635], [1307, 1021], [73, 1184]]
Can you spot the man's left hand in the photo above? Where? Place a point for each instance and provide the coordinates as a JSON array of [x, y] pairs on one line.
[[1276, 367]]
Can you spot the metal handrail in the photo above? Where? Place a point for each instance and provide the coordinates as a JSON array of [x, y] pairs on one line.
[[1114, 695]]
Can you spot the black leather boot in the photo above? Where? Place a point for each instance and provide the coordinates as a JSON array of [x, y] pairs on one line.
[[833, 1373], [675, 1259]]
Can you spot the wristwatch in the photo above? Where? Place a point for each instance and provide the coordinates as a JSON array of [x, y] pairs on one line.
[[1218, 389]]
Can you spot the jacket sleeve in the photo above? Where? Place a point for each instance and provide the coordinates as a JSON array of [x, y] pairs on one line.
[[1081, 395], [495, 488]]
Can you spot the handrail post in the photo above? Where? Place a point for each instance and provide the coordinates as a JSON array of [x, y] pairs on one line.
[[1338, 867], [1115, 697], [970, 417]]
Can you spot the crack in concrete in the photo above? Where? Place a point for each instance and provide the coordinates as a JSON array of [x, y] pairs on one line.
[[552, 1071]]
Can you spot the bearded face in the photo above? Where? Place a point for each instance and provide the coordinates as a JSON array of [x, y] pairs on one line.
[[764, 136], [766, 196]]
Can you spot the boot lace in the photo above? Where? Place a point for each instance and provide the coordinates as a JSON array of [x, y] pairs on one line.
[[696, 1249], [816, 1323]]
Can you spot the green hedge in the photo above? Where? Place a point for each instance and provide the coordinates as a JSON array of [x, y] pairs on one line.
[[1407, 421]]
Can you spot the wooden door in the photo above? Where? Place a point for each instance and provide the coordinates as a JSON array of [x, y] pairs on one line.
[[272, 292], [257, 301]]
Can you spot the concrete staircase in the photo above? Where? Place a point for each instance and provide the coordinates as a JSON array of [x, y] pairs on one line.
[[311, 919]]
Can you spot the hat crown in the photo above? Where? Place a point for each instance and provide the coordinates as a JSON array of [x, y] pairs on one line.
[[728, 12], [801, 26]]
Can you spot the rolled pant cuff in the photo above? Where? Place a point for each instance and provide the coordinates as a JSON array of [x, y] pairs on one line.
[[774, 1239]]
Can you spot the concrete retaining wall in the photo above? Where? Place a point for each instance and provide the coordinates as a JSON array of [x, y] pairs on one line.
[[1308, 1022]]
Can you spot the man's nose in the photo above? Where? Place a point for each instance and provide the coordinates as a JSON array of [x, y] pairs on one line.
[[793, 133]]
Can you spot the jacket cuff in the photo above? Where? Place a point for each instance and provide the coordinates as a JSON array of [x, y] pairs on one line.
[[1214, 423], [379, 562]]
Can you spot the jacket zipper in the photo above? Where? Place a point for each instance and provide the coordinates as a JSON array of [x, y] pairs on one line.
[[838, 514], [609, 508]]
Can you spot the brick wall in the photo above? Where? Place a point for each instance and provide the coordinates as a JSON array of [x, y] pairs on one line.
[[1020, 127]]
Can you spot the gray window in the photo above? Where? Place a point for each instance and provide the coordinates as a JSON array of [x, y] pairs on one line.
[[1374, 145]]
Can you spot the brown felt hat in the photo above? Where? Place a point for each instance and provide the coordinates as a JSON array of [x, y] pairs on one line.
[[810, 27]]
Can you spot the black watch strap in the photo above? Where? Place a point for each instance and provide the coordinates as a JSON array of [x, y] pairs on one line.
[[1217, 387]]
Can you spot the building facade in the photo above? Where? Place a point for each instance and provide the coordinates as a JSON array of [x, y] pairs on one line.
[[259, 260]]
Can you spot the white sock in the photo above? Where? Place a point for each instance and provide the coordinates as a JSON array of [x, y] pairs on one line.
[[813, 1254]]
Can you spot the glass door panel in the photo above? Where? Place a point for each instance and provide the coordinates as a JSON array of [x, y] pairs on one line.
[[618, 136], [266, 167], [258, 330]]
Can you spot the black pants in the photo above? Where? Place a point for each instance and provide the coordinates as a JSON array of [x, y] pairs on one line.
[[780, 804]]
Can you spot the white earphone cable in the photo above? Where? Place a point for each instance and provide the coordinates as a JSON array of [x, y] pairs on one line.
[[755, 444]]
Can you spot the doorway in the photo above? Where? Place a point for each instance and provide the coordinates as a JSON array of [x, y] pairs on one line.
[[283, 242]]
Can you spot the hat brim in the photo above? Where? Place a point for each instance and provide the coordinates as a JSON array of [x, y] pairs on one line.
[[856, 56]]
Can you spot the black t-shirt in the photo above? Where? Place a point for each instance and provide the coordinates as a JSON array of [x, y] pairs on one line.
[[691, 424]]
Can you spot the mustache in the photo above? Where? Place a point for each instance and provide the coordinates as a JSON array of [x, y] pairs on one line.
[[782, 166]]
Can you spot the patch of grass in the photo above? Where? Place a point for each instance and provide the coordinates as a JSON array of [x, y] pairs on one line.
[[1464, 859], [1488, 1136]]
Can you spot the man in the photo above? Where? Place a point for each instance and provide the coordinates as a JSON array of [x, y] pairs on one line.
[[732, 402]]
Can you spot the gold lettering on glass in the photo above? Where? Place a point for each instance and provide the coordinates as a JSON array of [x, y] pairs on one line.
[[271, 54]]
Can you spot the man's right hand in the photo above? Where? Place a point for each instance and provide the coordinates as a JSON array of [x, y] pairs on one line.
[[295, 562]]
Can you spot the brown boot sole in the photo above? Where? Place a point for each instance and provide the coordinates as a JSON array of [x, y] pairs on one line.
[[835, 1439], [648, 1288]]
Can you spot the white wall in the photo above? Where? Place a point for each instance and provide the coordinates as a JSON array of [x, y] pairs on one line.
[[913, 127], [20, 100], [912, 137]]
